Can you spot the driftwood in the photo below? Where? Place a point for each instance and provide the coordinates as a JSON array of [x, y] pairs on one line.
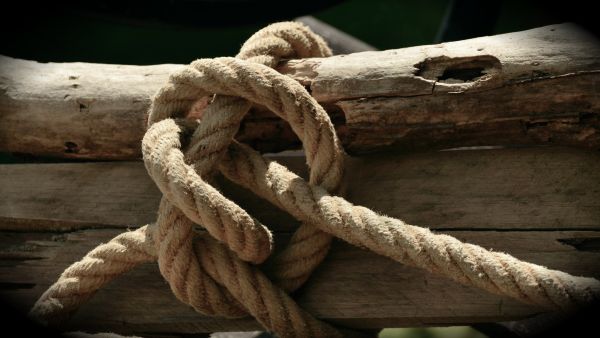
[[532, 87], [53, 213]]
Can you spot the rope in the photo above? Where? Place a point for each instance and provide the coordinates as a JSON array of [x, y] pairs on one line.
[[215, 271], [82, 279]]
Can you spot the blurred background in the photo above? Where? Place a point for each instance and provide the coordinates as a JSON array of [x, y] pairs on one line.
[[179, 31]]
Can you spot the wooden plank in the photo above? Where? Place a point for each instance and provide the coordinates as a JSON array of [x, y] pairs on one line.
[[353, 287], [524, 188], [533, 87], [77, 195]]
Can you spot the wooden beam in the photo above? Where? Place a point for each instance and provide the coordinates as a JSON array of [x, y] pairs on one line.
[[353, 287], [533, 87], [499, 189]]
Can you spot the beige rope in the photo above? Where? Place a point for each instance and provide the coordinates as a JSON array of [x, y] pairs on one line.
[[82, 279], [223, 219], [212, 272], [466, 263]]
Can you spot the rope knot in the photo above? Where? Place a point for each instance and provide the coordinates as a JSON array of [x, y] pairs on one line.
[[210, 271], [180, 174]]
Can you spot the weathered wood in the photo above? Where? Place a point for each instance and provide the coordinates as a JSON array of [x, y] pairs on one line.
[[352, 287], [524, 188], [539, 204], [538, 86]]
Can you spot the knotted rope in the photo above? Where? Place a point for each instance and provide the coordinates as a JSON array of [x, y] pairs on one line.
[[215, 271]]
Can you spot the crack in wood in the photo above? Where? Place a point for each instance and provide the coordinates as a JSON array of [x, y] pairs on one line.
[[591, 244]]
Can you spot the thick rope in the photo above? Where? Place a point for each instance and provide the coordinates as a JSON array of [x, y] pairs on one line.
[[210, 271], [222, 118], [230, 223], [469, 264], [82, 279], [219, 124]]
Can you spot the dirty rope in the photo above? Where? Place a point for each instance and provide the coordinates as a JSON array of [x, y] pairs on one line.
[[214, 270]]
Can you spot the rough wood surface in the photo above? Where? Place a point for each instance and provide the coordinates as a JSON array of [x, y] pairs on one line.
[[540, 204], [524, 188], [352, 287], [538, 86]]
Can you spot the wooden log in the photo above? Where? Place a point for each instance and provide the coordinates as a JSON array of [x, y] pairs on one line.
[[538, 204], [534, 87]]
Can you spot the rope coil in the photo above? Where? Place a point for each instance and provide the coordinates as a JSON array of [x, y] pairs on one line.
[[215, 273]]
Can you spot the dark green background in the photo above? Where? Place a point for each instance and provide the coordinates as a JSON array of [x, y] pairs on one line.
[[61, 34]]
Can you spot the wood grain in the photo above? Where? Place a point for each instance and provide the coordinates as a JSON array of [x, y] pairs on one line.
[[524, 188], [352, 287], [533, 87], [539, 204]]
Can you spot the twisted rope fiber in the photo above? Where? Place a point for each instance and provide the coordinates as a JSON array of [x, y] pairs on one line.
[[173, 239], [211, 272]]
